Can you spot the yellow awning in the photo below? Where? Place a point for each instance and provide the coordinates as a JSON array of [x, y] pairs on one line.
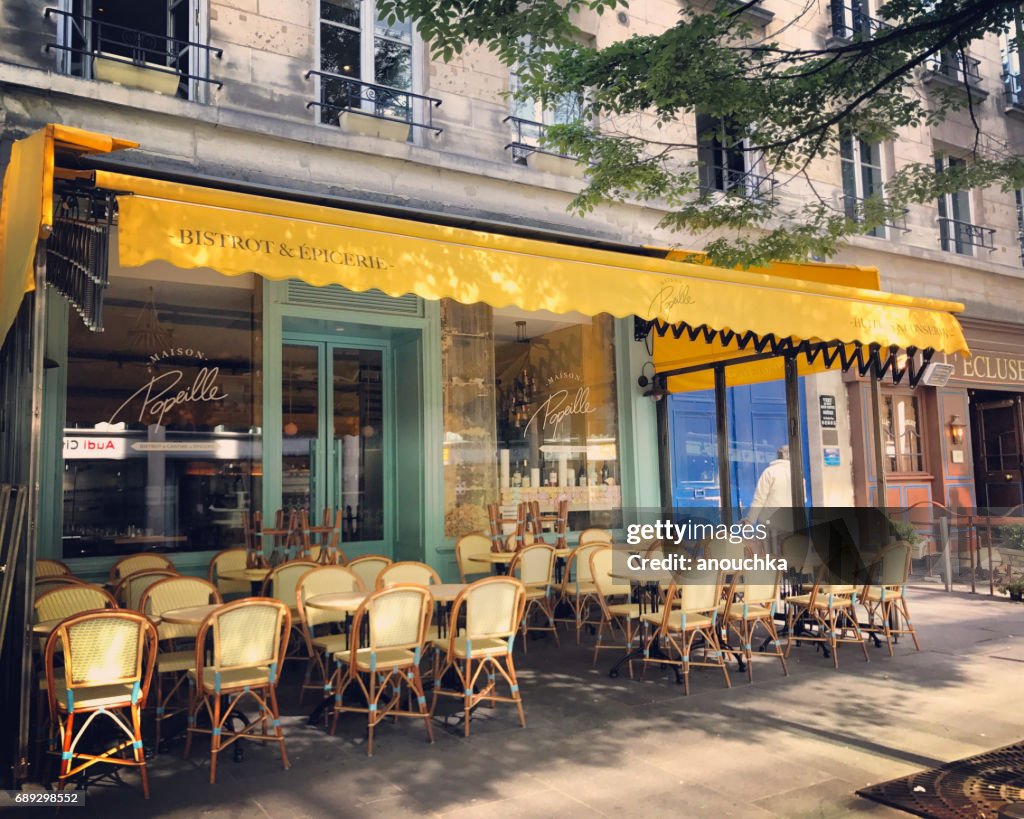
[[236, 233], [26, 210]]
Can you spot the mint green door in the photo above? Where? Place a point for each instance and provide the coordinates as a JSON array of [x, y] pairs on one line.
[[337, 434]]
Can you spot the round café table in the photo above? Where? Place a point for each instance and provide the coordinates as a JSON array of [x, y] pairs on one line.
[[348, 602], [254, 576], [189, 616]]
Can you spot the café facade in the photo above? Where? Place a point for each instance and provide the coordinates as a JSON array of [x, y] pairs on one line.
[[203, 350]]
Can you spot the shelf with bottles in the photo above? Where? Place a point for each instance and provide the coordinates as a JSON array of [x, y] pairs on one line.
[[555, 472]]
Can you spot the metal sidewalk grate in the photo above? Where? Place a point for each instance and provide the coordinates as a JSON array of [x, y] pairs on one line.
[[973, 788]]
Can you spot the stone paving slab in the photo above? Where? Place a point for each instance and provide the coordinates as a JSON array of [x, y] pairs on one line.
[[796, 746]]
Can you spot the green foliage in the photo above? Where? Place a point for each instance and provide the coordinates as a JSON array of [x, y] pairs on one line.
[[789, 103], [1012, 537], [904, 530]]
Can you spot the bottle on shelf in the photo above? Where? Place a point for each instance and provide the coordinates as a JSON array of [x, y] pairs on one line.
[[517, 477], [526, 476], [604, 473], [581, 477]]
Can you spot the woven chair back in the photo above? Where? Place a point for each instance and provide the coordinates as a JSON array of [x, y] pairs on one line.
[[722, 549], [282, 581], [324, 580], [139, 563], [760, 586], [894, 566], [467, 547], [368, 567], [131, 587], [536, 564], [248, 633], [226, 561], [594, 536], [407, 571], [45, 584], [51, 568], [601, 563], [580, 560], [398, 617], [66, 601], [494, 606], [177, 593], [102, 649], [700, 591]]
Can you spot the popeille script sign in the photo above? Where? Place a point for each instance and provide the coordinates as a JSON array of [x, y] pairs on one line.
[[169, 389]]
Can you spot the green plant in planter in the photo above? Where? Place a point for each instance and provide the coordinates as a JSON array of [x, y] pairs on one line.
[[905, 530], [1012, 537], [1015, 588]]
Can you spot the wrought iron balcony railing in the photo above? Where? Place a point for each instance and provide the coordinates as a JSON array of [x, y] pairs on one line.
[[1013, 90], [849, 22], [956, 68], [95, 40], [853, 207], [340, 94], [1020, 231], [957, 236], [733, 182], [528, 138]]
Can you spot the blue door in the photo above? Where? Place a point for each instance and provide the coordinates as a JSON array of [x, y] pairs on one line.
[[757, 428]]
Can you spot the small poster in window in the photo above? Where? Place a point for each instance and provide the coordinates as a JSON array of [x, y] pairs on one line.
[[827, 411], [831, 455]]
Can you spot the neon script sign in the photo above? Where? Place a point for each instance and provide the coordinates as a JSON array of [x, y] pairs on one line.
[[561, 405]]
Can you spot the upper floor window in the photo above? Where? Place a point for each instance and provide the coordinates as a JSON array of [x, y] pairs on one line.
[[1011, 61], [852, 18], [366, 62], [957, 233], [861, 164], [901, 428], [158, 45], [725, 164]]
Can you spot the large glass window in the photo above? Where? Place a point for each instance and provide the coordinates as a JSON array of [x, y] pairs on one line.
[[162, 444], [356, 48], [956, 233], [902, 430], [530, 414]]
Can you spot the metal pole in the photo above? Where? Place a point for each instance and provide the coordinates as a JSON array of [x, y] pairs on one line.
[[665, 461], [34, 488], [947, 563], [796, 439], [877, 448], [722, 434]]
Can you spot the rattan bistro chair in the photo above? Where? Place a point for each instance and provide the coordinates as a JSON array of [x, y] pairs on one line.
[[827, 614], [332, 638], [280, 584], [467, 547], [45, 584], [493, 608], [577, 590], [752, 601], [108, 664], [535, 566], [249, 639], [172, 662], [399, 617], [676, 628], [588, 536], [65, 601], [229, 560], [613, 612], [367, 567], [407, 571], [130, 564], [885, 595]]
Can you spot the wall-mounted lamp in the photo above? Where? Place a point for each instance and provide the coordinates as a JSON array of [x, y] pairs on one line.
[[653, 389], [956, 430]]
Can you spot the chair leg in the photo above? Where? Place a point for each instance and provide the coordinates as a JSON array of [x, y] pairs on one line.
[[600, 636], [371, 715], [139, 753], [467, 695], [275, 713], [65, 747], [886, 614], [214, 738], [421, 698], [510, 667], [193, 708], [910, 625], [773, 632]]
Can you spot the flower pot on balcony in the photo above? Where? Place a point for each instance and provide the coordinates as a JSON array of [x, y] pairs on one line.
[[148, 76], [559, 165], [393, 129]]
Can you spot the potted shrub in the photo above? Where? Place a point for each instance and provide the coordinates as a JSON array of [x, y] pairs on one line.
[[904, 530], [1014, 588], [1011, 543], [148, 76]]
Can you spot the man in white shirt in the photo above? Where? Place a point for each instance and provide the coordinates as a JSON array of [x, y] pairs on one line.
[[773, 497]]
